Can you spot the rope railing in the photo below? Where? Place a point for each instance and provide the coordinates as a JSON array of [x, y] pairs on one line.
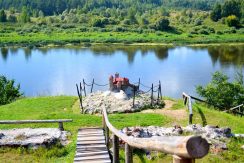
[[153, 89]]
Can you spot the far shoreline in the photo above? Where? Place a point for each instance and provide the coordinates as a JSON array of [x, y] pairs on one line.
[[87, 45]]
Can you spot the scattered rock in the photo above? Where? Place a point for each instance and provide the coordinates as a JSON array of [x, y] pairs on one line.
[[33, 137], [217, 137]]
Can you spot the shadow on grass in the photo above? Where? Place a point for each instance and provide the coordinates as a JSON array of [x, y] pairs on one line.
[[204, 120], [140, 154]]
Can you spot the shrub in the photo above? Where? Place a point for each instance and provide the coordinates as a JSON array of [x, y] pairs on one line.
[[198, 22], [162, 24], [12, 19], [203, 31], [232, 21], [221, 92], [219, 32], [8, 91], [216, 13], [3, 16]]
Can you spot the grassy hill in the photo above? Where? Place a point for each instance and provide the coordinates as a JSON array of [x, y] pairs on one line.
[[65, 107]]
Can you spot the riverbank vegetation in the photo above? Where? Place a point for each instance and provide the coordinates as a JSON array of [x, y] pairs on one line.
[[63, 107], [9, 91], [221, 92], [37, 23]]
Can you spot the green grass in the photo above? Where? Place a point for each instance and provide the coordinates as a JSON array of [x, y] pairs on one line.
[[64, 107], [61, 38]]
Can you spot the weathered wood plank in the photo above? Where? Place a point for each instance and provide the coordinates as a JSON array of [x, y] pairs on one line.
[[90, 153], [34, 121], [90, 146]]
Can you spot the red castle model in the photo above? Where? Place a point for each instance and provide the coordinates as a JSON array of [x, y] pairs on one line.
[[118, 83]]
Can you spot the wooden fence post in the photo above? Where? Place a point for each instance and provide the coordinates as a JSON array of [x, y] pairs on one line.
[[139, 83], [158, 92], [84, 84], [190, 110], [61, 126], [152, 96], [115, 149], [80, 97], [128, 153], [160, 89], [92, 85], [106, 132], [134, 95]]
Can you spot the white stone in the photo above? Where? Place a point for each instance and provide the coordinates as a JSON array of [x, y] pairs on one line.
[[32, 137]]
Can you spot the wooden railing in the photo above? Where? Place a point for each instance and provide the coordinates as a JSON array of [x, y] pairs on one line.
[[236, 110], [183, 148], [59, 121]]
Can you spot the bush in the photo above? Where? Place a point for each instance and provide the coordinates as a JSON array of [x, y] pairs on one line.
[[198, 22], [162, 24], [221, 92], [219, 32], [12, 19], [203, 31], [232, 21], [8, 91]]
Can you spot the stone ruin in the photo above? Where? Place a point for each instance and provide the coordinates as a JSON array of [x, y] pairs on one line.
[[119, 98]]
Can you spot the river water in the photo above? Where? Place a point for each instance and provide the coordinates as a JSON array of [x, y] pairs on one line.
[[56, 70]]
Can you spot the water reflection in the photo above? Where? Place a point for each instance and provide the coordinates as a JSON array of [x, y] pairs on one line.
[[56, 70], [227, 55], [129, 51]]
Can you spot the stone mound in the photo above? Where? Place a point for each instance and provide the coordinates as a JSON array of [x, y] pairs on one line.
[[115, 102]]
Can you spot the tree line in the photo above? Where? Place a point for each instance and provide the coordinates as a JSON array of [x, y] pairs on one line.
[[231, 10], [51, 7]]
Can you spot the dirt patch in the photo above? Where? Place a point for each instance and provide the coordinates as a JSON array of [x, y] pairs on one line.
[[76, 107], [168, 104], [178, 114]]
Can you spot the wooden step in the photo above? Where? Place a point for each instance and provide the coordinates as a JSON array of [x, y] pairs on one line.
[[90, 146], [96, 161], [90, 142], [90, 153], [94, 157]]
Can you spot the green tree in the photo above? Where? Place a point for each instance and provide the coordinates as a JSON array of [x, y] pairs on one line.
[[24, 16], [162, 24], [3, 16], [215, 15], [232, 21], [221, 92], [12, 18], [8, 91], [231, 7]]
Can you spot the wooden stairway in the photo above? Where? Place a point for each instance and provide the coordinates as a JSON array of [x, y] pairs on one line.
[[91, 146]]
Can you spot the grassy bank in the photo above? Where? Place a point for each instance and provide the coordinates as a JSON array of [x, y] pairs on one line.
[[67, 107], [63, 38]]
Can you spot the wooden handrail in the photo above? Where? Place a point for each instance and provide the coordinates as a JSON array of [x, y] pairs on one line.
[[60, 121], [187, 147], [235, 107]]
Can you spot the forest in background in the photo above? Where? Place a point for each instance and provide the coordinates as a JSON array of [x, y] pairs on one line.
[[101, 21]]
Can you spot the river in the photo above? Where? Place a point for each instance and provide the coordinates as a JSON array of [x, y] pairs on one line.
[[55, 70]]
